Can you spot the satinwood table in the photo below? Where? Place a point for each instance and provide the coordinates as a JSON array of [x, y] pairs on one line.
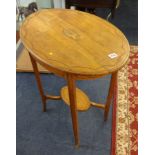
[[76, 46]]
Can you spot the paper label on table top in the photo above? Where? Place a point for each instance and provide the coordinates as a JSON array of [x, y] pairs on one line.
[[112, 55]]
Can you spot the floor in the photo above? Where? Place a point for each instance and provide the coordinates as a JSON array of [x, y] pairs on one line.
[[51, 133]]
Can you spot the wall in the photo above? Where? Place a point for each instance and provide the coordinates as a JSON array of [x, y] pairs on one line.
[[25, 2], [44, 3], [59, 3]]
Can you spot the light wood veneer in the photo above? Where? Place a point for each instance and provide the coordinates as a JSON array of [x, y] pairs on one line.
[[74, 45]]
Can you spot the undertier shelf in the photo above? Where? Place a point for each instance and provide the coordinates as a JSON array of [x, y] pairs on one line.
[[82, 100]]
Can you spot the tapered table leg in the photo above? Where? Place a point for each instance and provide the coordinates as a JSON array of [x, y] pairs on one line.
[[110, 94], [73, 107], [37, 75]]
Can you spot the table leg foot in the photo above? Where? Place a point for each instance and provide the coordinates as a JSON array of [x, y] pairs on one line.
[[77, 146]]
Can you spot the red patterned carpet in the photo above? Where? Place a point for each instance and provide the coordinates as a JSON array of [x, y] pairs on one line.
[[125, 109]]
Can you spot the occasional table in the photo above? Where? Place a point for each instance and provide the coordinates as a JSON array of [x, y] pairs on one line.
[[76, 46]]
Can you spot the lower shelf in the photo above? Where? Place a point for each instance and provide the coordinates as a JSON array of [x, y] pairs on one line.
[[82, 100]]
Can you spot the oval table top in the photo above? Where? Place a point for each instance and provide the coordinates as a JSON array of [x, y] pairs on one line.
[[75, 42]]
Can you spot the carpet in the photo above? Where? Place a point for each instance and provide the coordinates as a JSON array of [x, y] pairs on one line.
[[50, 133], [125, 109]]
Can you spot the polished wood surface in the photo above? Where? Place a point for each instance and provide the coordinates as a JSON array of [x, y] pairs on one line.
[[98, 105], [74, 42], [110, 94], [74, 45], [83, 102], [41, 91], [73, 107], [37, 76], [17, 36]]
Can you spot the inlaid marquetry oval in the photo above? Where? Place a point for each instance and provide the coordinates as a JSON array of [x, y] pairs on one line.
[[74, 42], [71, 34]]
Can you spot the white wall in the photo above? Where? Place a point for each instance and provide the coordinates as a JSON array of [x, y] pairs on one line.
[[44, 3], [59, 3], [25, 2]]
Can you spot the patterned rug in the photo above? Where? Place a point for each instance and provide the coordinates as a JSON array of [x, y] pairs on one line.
[[125, 109]]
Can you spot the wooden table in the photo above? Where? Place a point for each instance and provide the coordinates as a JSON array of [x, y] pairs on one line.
[[76, 46]]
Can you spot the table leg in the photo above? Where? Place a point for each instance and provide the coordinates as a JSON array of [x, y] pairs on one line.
[[110, 94], [73, 107], [37, 76]]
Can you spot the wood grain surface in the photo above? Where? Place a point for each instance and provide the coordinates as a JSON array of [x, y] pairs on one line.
[[83, 102], [74, 45], [74, 42]]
